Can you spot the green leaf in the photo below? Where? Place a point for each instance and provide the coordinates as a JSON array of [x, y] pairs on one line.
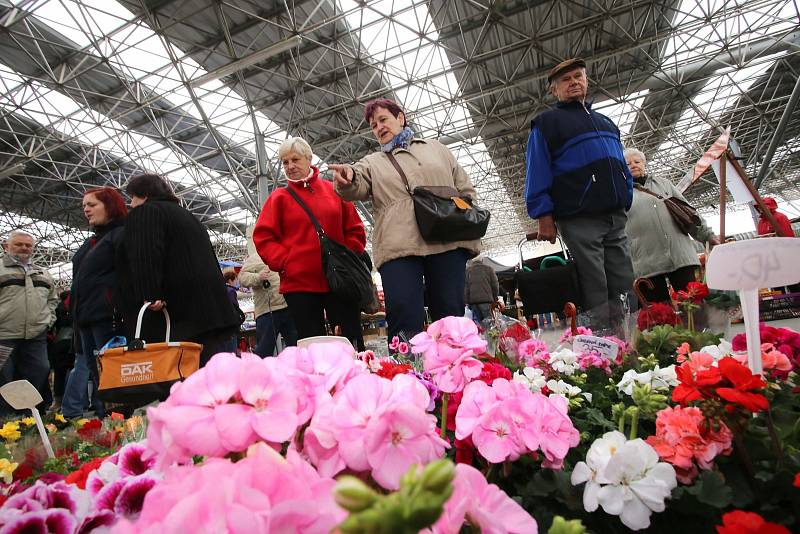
[[710, 488]]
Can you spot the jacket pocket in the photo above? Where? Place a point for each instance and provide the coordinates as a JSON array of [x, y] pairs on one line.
[[571, 192]]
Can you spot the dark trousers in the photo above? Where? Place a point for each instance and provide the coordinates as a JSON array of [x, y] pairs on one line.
[[678, 279], [215, 341], [269, 325], [481, 311], [405, 281], [27, 361], [308, 311]]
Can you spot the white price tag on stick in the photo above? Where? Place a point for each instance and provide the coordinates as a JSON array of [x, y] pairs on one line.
[[605, 347], [747, 266], [21, 395]]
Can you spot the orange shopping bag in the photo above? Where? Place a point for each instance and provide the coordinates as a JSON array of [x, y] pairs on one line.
[[144, 372]]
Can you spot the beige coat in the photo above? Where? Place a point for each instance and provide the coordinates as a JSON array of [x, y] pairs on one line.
[[264, 300], [426, 162], [657, 244], [28, 300]]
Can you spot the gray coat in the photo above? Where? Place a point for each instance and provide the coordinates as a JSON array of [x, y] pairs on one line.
[[481, 285], [657, 245]]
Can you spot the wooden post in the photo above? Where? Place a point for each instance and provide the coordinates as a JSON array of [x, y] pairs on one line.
[[723, 191], [757, 197]]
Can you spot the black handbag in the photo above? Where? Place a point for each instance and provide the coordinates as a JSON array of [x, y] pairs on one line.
[[348, 277], [684, 214], [551, 287], [442, 214]]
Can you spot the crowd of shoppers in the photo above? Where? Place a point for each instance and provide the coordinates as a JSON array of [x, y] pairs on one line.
[[580, 184]]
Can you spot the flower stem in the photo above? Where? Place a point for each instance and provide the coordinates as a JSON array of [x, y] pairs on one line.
[[776, 442], [634, 423], [444, 414]]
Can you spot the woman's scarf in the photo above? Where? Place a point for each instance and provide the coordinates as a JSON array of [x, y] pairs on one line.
[[400, 140]]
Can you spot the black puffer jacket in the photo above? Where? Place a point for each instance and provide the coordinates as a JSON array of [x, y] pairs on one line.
[[94, 277]]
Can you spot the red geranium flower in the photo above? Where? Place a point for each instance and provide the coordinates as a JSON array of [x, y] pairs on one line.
[[79, 477], [797, 480], [741, 522], [655, 314], [492, 370], [90, 428], [694, 387], [390, 369], [743, 381]]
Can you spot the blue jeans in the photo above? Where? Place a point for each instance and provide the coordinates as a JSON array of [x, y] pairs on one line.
[[28, 361], [269, 325], [76, 395], [411, 281]]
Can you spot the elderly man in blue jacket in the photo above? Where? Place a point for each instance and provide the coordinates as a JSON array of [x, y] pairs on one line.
[[578, 184]]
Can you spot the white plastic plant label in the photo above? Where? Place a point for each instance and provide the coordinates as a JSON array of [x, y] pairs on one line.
[[605, 347], [747, 266]]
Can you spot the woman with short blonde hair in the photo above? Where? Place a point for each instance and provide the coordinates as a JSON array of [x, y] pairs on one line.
[[287, 241]]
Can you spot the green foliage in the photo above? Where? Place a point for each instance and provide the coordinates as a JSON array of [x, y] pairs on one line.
[[663, 341]]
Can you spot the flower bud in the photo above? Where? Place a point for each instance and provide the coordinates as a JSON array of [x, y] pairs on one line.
[[438, 475], [353, 495], [562, 526]]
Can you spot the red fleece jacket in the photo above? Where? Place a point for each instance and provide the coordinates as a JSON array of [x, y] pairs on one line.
[[286, 239]]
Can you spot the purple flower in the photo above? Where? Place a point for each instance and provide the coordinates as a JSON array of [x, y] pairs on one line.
[[102, 518], [427, 380], [131, 498], [41, 496], [131, 461], [55, 521]]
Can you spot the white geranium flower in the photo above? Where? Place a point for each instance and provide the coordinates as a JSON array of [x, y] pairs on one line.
[[631, 377], [719, 351], [657, 379], [532, 378], [564, 361], [566, 390], [663, 378], [625, 478]]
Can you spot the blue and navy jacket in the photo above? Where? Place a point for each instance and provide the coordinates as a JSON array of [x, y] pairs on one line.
[[574, 164]]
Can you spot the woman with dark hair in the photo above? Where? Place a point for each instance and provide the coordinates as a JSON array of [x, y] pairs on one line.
[[407, 262], [171, 263], [93, 302]]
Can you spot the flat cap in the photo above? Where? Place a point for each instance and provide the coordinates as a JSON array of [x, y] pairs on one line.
[[565, 66]]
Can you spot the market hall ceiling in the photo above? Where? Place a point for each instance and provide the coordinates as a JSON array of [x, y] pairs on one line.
[[92, 92]]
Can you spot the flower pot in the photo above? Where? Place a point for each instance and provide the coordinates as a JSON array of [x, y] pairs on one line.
[[718, 321]]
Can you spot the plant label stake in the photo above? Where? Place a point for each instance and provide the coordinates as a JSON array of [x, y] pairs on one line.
[[21, 395], [747, 266]]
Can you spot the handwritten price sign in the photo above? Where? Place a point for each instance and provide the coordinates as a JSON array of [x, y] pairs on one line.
[[747, 266], [606, 348]]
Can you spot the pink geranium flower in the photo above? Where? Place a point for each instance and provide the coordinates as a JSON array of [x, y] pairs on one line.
[[506, 420], [484, 505], [374, 425], [685, 439], [262, 493], [449, 347]]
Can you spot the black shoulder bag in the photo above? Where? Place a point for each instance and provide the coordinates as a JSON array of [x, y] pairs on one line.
[[442, 214], [348, 277]]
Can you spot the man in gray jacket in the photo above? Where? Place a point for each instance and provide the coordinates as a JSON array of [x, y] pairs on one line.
[[28, 301], [481, 288], [272, 315]]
